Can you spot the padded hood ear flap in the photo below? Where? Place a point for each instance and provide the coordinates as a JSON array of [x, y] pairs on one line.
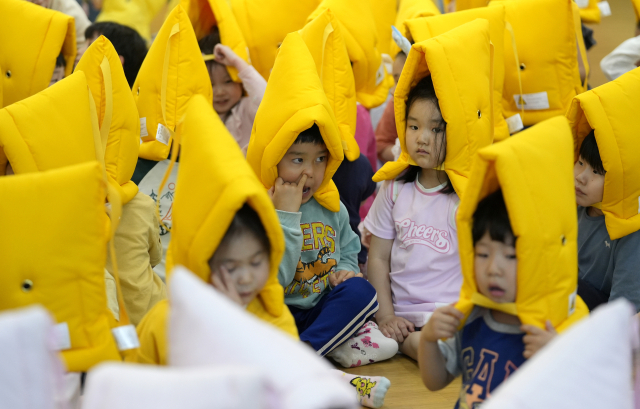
[[611, 111], [535, 172], [136, 14], [464, 96], [411, 9]]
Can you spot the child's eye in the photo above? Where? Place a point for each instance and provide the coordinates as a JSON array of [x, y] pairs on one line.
[[321, 159], [436, 130], [511, 256], [598, 173], [257, 263], [413, 127], [580, 163], [228, 81], [482, 255], [297, 161]]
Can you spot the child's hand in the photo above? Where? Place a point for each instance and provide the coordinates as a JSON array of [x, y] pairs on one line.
[[286, 196], [342, 276], [396, 328], [222, 282], [225, 55], [536, 338], [443, 324]]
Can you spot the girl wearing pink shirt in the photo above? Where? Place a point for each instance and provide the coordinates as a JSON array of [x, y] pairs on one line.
[[413, 258]]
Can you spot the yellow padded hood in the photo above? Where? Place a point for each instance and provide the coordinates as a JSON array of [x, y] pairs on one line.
[[384, 14], [360, 34], [32, 37], [172, 72], [117, 114], [136, 14], [535, 172], [636, 8], [462, 5], [326, 44], [464, 96], [591, 13], [53, 248], [265, 23], [547, 34], [293, 102], [49, 130], [208, 196], [408, 10], [205, 14], [424, 28], [611, 110]]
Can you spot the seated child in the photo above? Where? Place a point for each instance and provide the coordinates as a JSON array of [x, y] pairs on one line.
[[607, 269], [236, 111]]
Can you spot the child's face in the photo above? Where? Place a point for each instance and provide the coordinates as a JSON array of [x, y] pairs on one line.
[[589, 184], [398, 64], [247, 262], [58, 74], [496, 269], [304, 159], [425, 134], [226, 93]]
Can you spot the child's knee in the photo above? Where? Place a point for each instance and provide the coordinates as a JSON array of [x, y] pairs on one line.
[[358, 289]]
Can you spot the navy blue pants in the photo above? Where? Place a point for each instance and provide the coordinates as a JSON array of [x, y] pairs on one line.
[[337, 316]]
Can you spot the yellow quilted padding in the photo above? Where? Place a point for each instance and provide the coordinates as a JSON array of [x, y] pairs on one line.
[[172, 72], [547, 35], [117, 114], [408, 10], [464, 95], [591, 13], [384, 14], [205, 14], [535, 171], [32, 37], [358, 28], [49, 130], [136, 14], [293, 101], [53, 248], [462, 5], [636, 8], [207, 198], [326, 44], [265, 23], [611, 111], [424, 28]]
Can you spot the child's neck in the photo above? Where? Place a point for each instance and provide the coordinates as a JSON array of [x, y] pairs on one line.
[[594, 211], [430, 178], [504, 318]]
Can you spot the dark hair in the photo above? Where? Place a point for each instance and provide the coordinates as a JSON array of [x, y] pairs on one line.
[[424, 90], [127, 42], [401, 53], [311, 135], [60, 62], [590, 153], [208, 42], [491, 216], [245, 221]]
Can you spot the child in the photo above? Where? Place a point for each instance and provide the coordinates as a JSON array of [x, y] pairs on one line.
[[236, 111], [295, 149]]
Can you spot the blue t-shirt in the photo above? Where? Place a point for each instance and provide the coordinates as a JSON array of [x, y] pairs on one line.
[[486, 353]]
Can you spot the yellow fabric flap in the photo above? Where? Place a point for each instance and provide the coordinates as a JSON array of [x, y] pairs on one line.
[[611, 111], [136, 14], [360, 35], [117, 114], [535, 172], [32, 37], [424, 28], [409, 10], [591, 13], [464, 95], [293, 101], [384, 14], [324, 40], [172, 72], [53, 251], [205, 14]]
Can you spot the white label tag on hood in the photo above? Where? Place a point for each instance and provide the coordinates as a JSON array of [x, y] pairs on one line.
[[62, 340], [605, 8], [143, 127], [126, 337], [532, 102], [583, 4], [380, 74], [572, 302], [163, 134], [514, 123]]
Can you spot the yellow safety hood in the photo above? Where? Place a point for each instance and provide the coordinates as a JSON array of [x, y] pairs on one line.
[[117, 114], [358, 28], [265, 23], [32, 37], [547, 35], [206, 14], [136, 14], [293, 102], [591, 13], [535, 172], [208, 196], [636, 8], [611, 111], [384, 14], [464, 95], [409, 10], [326, 44], [172, 72], [53, 248], [424, 28]]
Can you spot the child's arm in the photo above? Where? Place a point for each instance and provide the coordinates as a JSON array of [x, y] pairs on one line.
[[433, 366], [349, 248], [626, 282], [379, 269]]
